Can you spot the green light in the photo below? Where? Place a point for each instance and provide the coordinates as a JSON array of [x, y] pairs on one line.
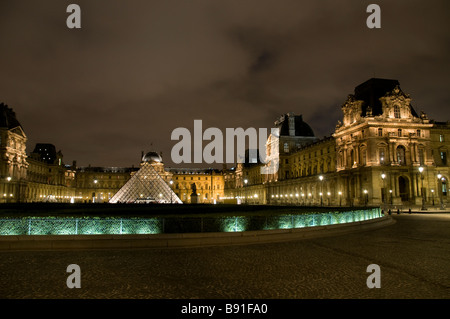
[[117, 226], [234, 224]]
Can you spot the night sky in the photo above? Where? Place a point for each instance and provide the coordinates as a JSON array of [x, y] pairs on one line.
[[137, 70]]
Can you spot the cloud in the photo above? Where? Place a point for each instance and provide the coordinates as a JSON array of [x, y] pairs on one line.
[[139, 69]]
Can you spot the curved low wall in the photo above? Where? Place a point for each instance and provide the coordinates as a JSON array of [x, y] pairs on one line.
[[63, 242]]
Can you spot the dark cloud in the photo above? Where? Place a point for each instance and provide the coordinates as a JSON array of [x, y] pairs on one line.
[[139, 69]]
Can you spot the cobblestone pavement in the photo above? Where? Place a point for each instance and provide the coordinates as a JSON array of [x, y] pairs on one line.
[[413, 255]]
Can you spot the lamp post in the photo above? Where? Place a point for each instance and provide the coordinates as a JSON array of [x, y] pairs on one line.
[[321, 189], [340, 198], [439, 176], [366, 197], [421, 169], [245, 190], [383, 177], [171, 183], [432, 196], [390, 192]]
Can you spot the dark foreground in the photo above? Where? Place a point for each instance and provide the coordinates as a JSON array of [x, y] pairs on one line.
[[413, 255]]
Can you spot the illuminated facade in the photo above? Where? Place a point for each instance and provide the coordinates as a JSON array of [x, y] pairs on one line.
[[382, 152], [13, 158], [209, 184], [42, 176]]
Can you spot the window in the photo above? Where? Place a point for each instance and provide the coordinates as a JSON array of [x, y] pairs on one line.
[[380, 132], [441, 137], [396, 111], [418, 133], [444, 158], [401, 155], [399, 132], [363, 157], [421, 156], [381, 155], [286, 147]]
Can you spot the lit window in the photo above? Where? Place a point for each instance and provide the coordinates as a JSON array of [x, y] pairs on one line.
[[401, 155], [396, 111], [381, 155]]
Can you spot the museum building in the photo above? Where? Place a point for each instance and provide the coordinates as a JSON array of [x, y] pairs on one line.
[[382, 152]]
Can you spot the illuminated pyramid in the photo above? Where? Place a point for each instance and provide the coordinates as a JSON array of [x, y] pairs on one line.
[[146, 186]]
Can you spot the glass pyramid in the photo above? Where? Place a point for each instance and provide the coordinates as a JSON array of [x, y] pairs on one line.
[[146, 186]]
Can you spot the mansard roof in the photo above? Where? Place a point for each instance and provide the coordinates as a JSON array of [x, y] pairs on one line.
[[8, 118], [372, 90]]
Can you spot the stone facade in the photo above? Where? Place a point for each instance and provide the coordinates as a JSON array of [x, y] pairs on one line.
[[381, 153]]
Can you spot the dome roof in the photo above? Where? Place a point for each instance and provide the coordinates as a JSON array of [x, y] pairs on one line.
[[299, 127], [152, 157]]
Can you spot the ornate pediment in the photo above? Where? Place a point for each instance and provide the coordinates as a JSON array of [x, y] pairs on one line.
[[398, 93], [396, 104], [18, 130], [351, 109]]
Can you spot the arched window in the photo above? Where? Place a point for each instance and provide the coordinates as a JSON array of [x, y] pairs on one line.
[[421, 156], [396, 111], [381, 155], [401, 155], [363, 156]]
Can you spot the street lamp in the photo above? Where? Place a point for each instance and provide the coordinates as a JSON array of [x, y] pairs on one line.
[[245, 192], [432, 196], [383, 177], [171, 183], [439, 189], [366, 197], [421, 179], [321, 189], [340, 198]]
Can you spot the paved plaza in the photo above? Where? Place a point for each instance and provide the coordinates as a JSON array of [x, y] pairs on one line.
[[413, 255]]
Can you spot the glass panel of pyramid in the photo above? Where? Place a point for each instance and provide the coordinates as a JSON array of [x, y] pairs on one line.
[[146, 186]]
